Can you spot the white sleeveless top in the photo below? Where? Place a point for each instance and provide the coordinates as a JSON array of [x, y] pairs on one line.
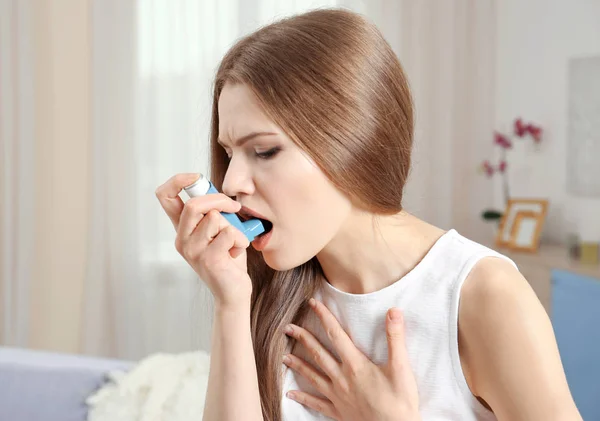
[[429, 296]]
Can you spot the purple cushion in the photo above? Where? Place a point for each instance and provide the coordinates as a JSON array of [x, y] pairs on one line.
[[47, 386]]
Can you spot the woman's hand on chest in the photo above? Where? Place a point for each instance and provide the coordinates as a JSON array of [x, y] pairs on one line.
[[355, 388]]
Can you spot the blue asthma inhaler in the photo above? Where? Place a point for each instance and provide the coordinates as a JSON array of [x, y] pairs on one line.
[[251, 228]]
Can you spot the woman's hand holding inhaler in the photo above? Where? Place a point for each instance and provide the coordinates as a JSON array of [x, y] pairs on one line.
[[214, 248]]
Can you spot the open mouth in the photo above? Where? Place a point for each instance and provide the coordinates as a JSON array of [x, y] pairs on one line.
[[245, 216], [268, 226]]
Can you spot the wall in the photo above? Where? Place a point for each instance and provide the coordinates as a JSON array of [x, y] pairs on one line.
[[535, 40], [62, 165]]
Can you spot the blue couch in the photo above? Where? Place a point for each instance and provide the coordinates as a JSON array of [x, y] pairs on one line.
[[44, 386]]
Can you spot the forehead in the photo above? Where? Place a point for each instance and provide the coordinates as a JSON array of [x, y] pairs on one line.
[[240, 112]]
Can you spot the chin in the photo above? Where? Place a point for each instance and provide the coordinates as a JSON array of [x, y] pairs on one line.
[[277, 262], [282, 262]]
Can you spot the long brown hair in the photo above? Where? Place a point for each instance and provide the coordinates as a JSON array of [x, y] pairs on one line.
[[334, 85]]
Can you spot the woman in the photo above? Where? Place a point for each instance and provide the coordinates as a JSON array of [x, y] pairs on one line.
[[312, 130]]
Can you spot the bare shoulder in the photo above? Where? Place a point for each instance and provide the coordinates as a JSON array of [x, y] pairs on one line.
[[507, 346], [493, 279]]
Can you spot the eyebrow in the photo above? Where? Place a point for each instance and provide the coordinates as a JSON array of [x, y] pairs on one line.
[[250, 136]]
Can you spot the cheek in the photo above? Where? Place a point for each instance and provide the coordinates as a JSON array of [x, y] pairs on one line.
[[305, 197], [310, 212], [299, 182], [302, 235]]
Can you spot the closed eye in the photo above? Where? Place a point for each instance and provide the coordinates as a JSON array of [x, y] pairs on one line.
[[268, 154]]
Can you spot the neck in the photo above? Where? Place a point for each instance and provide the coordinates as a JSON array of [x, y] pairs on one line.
[[369, 254]]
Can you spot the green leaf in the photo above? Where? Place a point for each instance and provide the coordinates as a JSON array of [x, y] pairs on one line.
[[491, 215]]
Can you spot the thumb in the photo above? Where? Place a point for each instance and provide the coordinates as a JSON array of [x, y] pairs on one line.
[[397, 354]]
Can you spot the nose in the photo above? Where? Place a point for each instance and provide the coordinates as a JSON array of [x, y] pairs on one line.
[[238, 179]]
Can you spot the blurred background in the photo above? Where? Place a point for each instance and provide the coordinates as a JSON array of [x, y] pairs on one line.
[[101, 101]]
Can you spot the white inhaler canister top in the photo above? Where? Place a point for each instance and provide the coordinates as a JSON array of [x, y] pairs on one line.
[[199, 188]]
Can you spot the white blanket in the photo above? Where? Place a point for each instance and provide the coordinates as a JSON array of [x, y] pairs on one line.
[[159, 388]]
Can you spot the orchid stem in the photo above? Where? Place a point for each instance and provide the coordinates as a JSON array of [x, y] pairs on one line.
[[505, 179]]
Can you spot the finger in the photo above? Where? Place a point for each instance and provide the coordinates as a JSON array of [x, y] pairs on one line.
[[315, 377], [208, 228], [342, 343], [323, 406], [168, 195], [397, 353], [230, 240], [320, 355], [236, 251], [197, 207]]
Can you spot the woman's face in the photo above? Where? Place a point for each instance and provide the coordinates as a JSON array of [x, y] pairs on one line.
[[270, 175]]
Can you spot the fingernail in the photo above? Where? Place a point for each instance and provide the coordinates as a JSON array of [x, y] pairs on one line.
[[395, 315], [286, 360], [312, 303], [290, 395], [289, 330]]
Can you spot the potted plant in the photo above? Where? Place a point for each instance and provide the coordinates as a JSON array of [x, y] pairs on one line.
[[505, 142]]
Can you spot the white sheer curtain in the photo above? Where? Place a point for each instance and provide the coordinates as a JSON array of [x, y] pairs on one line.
[[448, 50], [153, 64], [17, 163]]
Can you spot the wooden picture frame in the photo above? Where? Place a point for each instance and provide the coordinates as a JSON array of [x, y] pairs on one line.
[[513, 207], [526, 231]]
